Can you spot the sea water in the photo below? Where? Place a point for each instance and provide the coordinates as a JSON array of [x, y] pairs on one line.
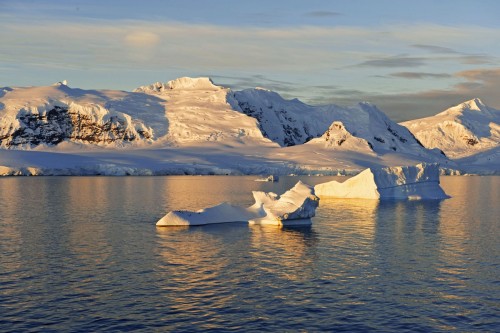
[[83, 254]]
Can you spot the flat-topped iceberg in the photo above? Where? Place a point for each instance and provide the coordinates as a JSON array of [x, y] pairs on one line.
[[403, 182], [294, 207]]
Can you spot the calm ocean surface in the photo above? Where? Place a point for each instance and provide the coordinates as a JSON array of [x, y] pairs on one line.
[[83, 254]]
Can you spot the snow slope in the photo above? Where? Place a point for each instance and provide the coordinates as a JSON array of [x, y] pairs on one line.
[[462, 131], [199, 111]]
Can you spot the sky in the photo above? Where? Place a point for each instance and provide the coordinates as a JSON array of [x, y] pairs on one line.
[[410, 58]]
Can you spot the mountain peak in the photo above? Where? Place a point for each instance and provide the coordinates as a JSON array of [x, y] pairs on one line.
[[61, 83], [200, 83], [474, 104], [182, 83]]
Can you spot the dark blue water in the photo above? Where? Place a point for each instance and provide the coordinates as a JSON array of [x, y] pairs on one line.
[[84, 254]]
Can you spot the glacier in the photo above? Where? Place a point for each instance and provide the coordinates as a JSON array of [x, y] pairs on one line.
[[295, 207], [403, 182]]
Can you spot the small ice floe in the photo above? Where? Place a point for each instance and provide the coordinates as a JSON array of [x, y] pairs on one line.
[[271, 178], [403, 182], [294, 207]]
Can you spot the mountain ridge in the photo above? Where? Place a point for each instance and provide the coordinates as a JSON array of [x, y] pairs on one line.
[[182, 116], [461, 131]]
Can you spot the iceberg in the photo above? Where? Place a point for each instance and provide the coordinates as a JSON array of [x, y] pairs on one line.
[[221, 213], [294, 207], [270, 178], [403, 182]]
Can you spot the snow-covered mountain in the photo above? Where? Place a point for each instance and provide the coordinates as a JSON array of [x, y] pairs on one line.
[[179, 112], [464, 130], [50, 115], [197, 111], [362, 127], [191, 125]]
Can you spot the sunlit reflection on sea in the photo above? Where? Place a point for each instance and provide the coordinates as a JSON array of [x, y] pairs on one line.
[[84, 254]]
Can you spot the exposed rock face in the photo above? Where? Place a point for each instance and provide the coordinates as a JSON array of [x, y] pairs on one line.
[[337, 135], [286, 122], [291, 122], [73, 123]]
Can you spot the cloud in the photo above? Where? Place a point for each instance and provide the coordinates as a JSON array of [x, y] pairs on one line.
[[481, 83], [420, 75], [482, 75], [462, 57], [203, 48], [347, 92], [142, 39], [258, 80], [478, 59], [322, 14], [315, 63], [396, 61], [435, 49], [326, 86]]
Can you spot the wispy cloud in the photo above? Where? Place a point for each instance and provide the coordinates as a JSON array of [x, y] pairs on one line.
[[395, 61], [435, 49], [142, 39], [420, 75], [478, 59], [482, 75], [212, 46], [257, 80], [341, 63], [326, 86], [462, 57]]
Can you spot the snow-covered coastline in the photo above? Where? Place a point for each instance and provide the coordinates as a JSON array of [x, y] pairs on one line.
[[193, 126]]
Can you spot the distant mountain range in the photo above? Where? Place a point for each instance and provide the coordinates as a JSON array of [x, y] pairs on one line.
[[191, 125]]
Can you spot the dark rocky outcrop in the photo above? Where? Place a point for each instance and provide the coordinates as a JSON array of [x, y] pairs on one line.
[[60, 123]]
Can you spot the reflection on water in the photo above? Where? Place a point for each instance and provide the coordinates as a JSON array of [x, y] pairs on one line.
[[192, 269], [286, 252], [83, 254]]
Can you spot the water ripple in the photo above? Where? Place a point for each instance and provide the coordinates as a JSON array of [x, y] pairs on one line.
[[92, 260]]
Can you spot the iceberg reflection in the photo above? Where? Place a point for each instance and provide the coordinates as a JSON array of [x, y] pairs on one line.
[[289, 253], [197, 268], [349, 216]]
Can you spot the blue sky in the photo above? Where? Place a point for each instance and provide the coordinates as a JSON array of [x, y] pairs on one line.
[[410, 58]]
